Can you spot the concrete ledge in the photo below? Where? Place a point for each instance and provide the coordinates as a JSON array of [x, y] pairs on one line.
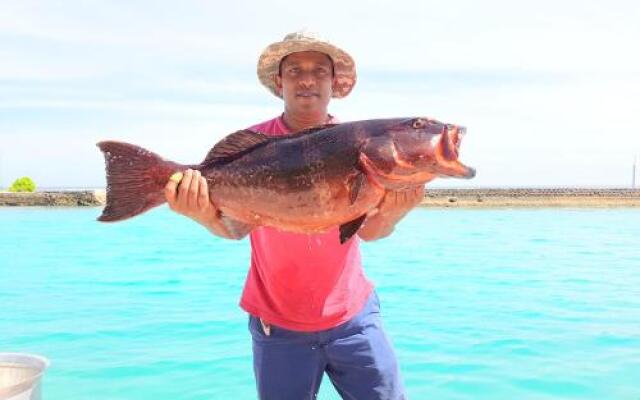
[[57, 199], [464, 198], [560, 197]]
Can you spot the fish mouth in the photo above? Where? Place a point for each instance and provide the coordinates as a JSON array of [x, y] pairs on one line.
[[471, 173], [456, 170]]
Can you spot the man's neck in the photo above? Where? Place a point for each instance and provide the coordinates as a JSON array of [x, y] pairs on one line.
[[299, 122]]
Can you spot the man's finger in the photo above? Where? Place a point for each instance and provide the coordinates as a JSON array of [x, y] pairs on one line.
[[171, 186], [192, 200], [184, 186], [203, 193]]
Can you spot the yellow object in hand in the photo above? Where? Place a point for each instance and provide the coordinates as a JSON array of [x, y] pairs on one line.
[[176, 177]]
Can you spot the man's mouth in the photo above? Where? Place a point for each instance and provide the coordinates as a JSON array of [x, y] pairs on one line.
[[307, 94]]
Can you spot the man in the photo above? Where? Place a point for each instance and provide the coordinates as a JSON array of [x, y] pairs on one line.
[[312, 310]]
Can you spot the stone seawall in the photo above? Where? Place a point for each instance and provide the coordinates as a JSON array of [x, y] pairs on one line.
[[56, 199], [473, 198], [560, 197]]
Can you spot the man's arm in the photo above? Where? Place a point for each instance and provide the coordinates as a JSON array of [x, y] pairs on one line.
[[393, 207], [191, 199]]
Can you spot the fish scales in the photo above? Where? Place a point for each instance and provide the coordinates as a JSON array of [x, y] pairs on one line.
[[307, 182]]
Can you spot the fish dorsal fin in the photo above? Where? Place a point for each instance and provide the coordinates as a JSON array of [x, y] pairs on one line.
[[234, 145], [313, 129]]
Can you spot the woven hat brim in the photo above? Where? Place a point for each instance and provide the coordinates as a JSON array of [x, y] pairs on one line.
[[343, 65]]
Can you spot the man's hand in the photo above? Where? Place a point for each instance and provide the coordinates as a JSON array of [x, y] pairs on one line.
[[401, 201], [189, 196], [393, 207]]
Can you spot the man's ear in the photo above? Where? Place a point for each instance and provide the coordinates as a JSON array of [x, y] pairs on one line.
[[334, 84], [277, 79]]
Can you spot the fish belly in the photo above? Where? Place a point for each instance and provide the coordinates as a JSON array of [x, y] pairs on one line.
[[298, 209]]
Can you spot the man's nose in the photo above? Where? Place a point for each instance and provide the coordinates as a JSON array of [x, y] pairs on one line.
[[307, 79]]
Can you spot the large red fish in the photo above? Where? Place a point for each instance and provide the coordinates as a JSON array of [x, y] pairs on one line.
[[305, 182]]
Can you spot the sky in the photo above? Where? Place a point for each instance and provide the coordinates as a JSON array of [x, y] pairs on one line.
[[549, 90]]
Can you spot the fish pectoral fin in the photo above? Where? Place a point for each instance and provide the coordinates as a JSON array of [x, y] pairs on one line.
[[236, 228], [350, 228], [355, 184]]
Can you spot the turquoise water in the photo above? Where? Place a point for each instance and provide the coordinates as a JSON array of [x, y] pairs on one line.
[[481, 304]]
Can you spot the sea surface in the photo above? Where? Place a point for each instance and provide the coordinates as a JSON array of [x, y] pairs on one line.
[[480, 304]]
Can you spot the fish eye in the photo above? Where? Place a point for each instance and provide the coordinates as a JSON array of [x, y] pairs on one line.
[[419, 123]]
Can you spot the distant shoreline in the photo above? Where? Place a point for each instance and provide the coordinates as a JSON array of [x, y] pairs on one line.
[[76, 198], [532, 198], [448, 198]]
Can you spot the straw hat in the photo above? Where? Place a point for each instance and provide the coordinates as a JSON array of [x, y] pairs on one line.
[[344, 67]]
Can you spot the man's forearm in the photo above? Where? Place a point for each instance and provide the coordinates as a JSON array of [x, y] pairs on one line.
[[379, 225], [393, 207], [215, 225]]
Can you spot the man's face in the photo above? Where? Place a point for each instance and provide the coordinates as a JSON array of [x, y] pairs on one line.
[[306, 81]]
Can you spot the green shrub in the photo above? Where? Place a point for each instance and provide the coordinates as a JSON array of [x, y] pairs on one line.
[[24, 184]]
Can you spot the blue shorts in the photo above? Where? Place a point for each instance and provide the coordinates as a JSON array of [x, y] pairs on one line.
[[356, 355]]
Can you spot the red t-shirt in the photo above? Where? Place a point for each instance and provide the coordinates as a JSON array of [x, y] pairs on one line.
[[303, 282]]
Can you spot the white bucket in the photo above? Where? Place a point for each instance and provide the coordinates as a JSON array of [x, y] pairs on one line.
[[20, 376]]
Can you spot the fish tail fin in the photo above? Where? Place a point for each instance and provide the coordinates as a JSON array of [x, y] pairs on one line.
[[135, 180]]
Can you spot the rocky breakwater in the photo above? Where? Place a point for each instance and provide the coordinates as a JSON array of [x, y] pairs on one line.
[[471, 198], [56, 199], [552, 197]]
